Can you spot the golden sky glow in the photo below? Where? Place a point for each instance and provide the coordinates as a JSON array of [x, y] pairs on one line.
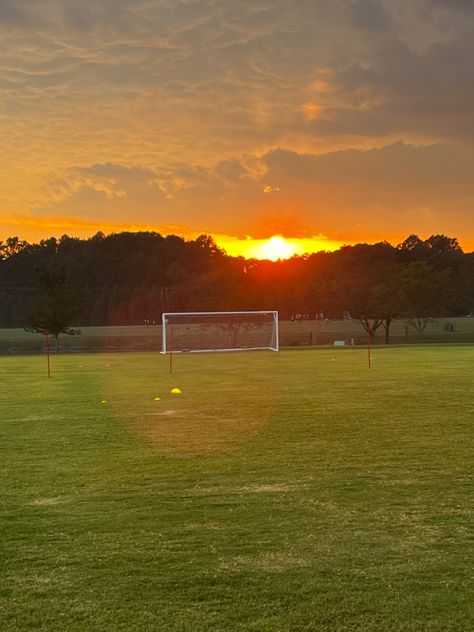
[[274, 248], [323, 122]]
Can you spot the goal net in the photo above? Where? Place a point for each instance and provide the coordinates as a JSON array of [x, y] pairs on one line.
[[220, 331]]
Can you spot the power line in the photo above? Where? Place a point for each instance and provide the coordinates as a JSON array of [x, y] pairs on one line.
[[160, 288]]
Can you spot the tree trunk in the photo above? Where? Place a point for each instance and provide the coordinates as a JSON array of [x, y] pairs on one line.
[[57, 342], [387, 323]]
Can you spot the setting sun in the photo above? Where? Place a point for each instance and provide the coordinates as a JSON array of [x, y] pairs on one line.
[[276, 248]]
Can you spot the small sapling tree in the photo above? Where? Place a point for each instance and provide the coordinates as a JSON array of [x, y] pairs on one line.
[[55, 308]]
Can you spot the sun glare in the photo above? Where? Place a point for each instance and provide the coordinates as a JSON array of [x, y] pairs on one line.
[[276, 248]]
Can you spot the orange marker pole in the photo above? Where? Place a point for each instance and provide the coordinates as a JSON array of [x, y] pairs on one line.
[[47, 354]]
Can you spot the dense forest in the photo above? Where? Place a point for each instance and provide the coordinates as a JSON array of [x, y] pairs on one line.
[[131, 278]]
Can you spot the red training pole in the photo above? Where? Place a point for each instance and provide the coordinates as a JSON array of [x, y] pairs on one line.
[[47, 354]]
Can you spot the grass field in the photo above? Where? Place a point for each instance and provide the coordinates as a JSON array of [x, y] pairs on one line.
[[279, 492]]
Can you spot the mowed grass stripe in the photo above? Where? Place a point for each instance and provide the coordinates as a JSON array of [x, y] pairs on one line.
[[291, 491]]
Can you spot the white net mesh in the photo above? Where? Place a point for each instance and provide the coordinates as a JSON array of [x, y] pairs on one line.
[[230, 331]]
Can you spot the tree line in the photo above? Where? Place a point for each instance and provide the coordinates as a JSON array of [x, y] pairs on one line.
[[131, 278]]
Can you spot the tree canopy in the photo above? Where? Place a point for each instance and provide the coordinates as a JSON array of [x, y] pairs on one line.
[[55, 307], [130, 278]]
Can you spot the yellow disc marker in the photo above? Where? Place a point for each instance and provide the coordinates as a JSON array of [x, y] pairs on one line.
[[104, 401], [176, 391], [157, 399]]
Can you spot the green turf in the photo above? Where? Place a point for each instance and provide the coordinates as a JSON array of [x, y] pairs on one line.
[[280, 492]]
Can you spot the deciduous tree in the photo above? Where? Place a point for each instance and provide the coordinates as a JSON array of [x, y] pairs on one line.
[[55, 308]]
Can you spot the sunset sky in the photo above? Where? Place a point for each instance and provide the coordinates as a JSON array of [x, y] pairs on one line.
[[322, 121]]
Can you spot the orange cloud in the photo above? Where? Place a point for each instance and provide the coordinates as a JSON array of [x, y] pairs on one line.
[[312, 110], [56, 225], [323, 86], [270, 189]]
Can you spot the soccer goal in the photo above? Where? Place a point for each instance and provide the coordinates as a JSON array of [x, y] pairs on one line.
[[220, 331]]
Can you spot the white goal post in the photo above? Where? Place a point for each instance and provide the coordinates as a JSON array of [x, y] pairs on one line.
[[201, 332]]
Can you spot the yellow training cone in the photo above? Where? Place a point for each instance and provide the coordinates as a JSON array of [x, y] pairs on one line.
[[176, 391]]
